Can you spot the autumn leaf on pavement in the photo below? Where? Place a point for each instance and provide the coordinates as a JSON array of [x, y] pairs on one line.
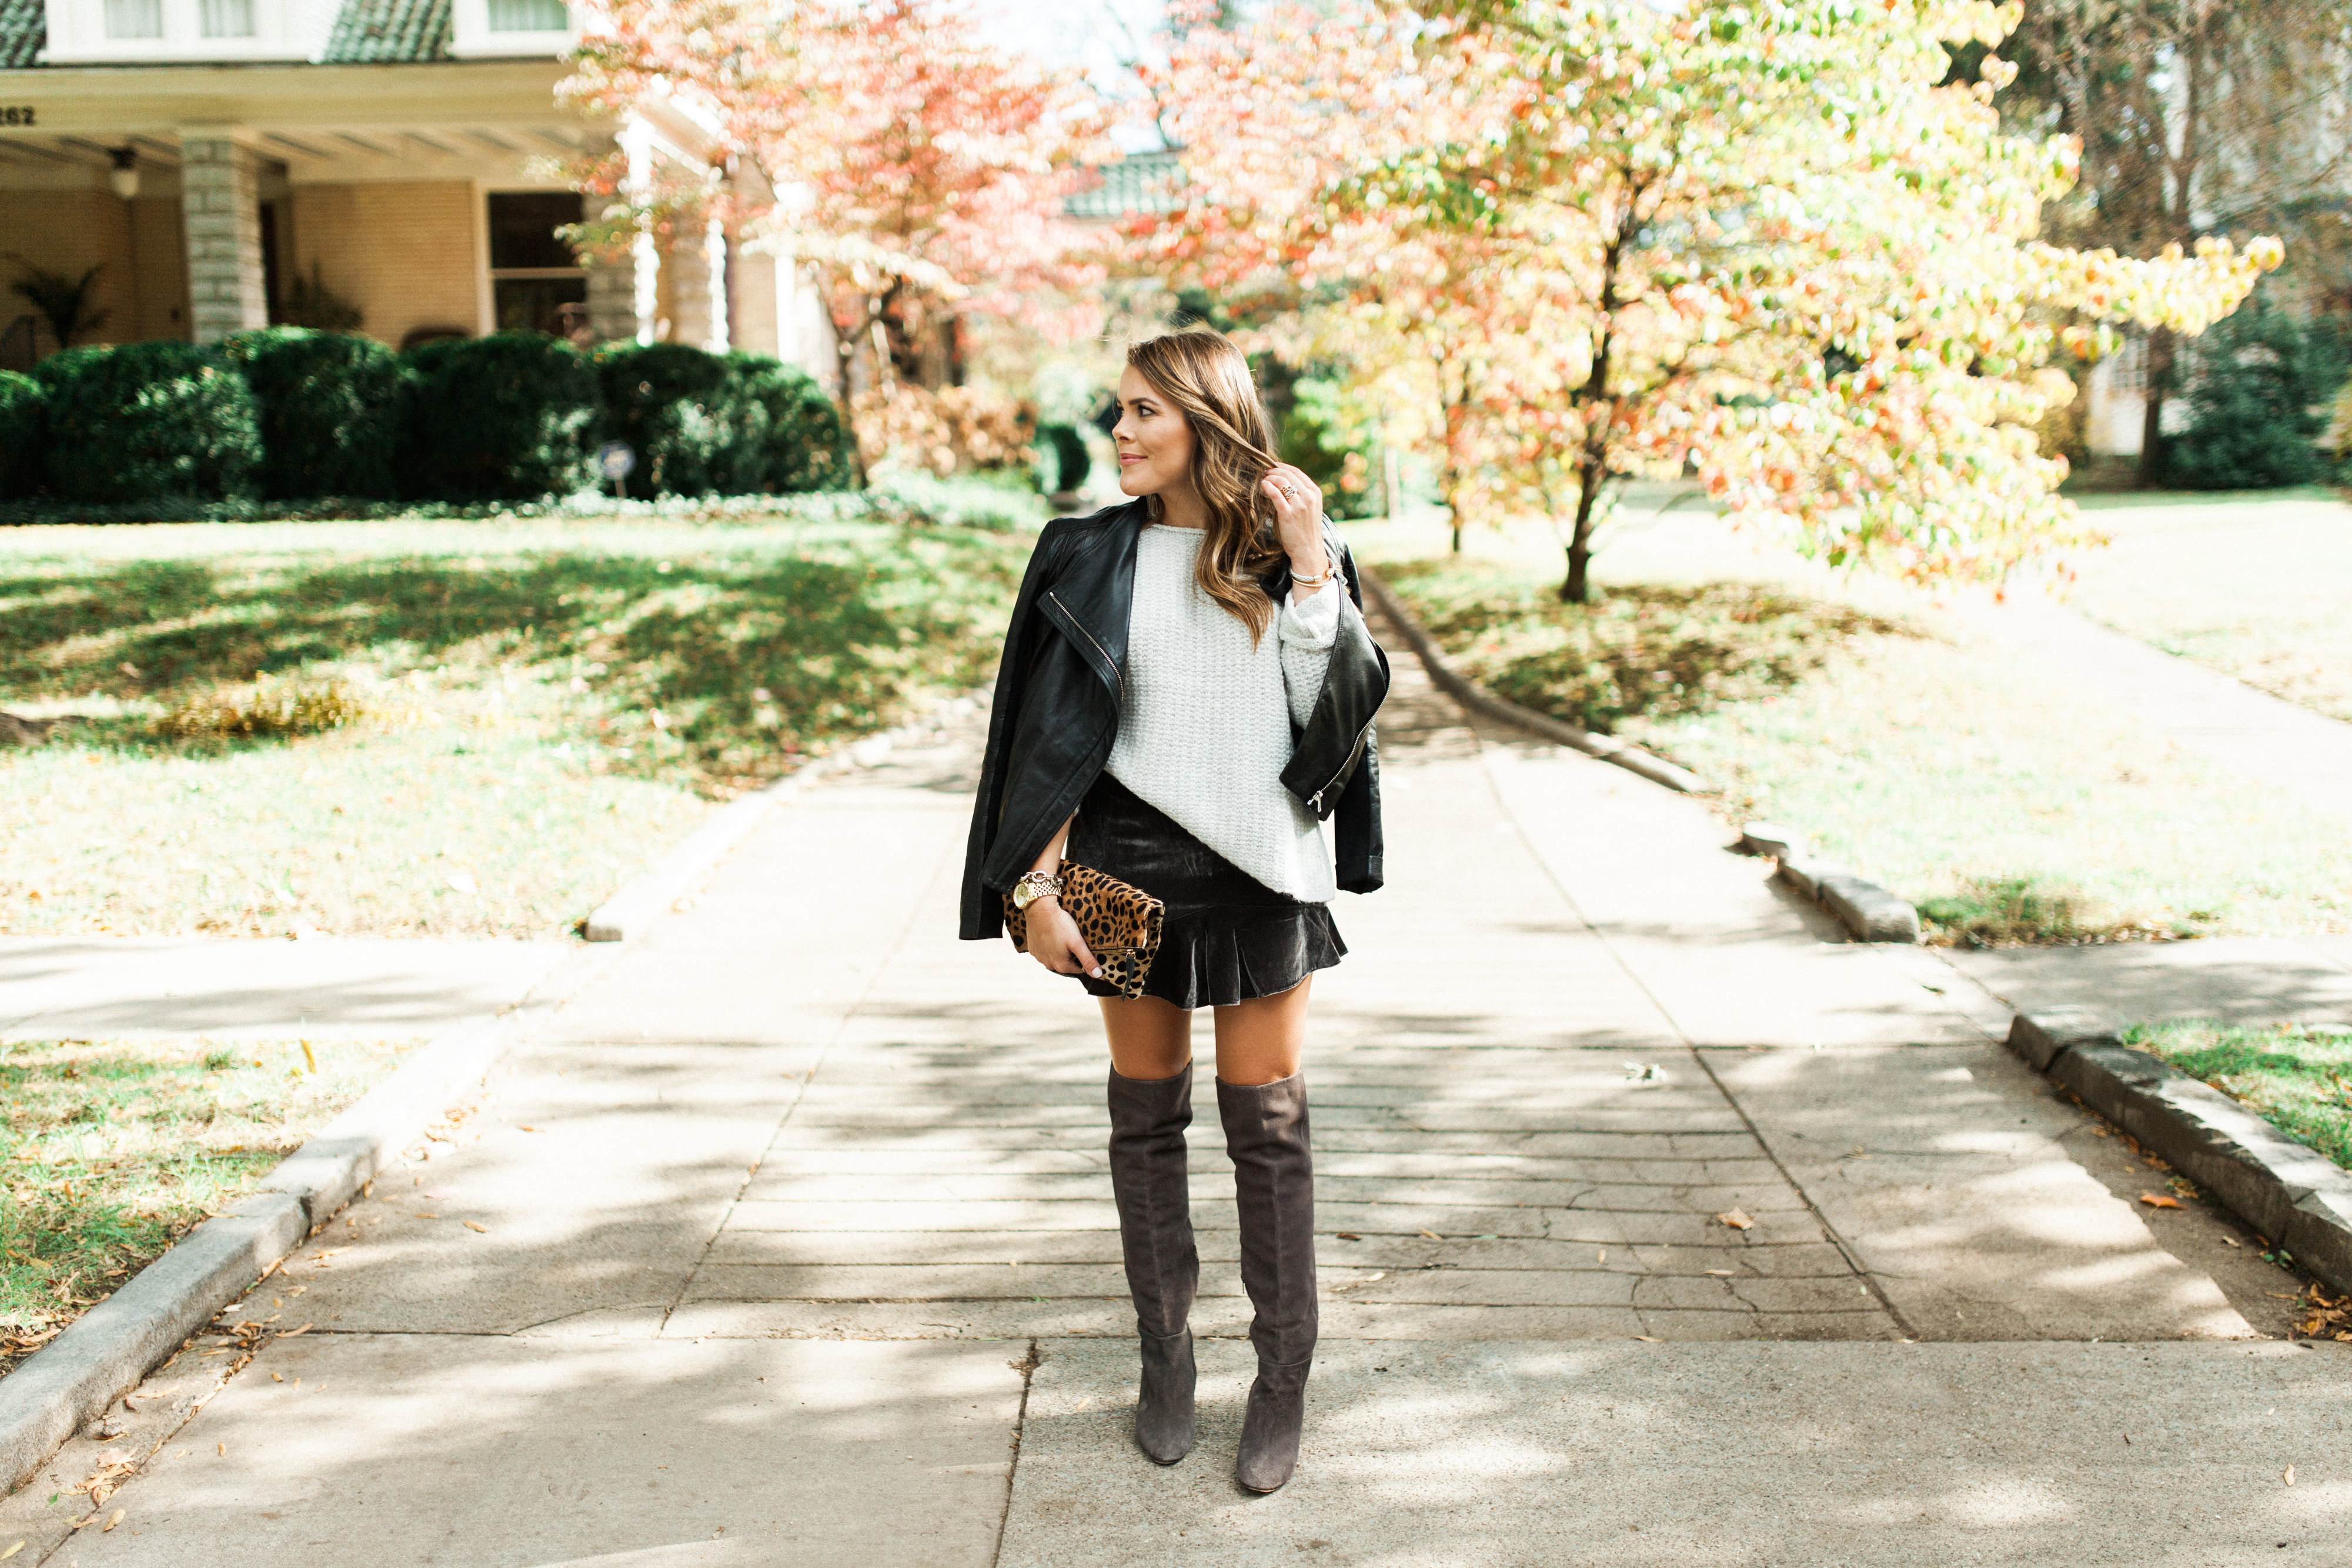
[[1736, 1219], [475, 1225], [2159, 1201]]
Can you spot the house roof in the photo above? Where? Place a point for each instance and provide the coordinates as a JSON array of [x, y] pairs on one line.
[[366, 32], [23, 33], [1138, 183]]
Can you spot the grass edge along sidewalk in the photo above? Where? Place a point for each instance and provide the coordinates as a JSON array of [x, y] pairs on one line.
[[106, 1352], [2291, 1195]]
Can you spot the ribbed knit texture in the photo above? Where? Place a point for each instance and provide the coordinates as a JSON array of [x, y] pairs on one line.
[[1205, 729]]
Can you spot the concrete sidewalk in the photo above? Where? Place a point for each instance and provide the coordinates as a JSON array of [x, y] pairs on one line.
[[83, 987], [788, 1242]]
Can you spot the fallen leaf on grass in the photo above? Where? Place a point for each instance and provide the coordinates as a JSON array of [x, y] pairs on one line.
[[462, 881], [1432, 1235], [1736, 1219], [2159, 1201], [473, 1225]]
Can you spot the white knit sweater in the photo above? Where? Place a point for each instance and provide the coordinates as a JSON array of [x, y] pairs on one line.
[[1205, 726]]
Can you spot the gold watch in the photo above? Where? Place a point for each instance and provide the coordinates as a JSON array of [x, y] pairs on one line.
[[1032, 886]]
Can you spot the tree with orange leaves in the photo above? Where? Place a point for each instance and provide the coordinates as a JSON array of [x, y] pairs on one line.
[[920, 170], [1775, 243]]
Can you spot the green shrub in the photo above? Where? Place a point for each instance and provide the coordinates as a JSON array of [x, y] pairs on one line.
[[24, 424], [506, 417], [143, 421], [1069, 464], [1317, 438], [2257, 376], [329, 409], [796, 439], [675, 407]]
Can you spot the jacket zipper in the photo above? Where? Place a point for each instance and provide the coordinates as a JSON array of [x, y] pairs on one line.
[[1118, 677], [1314, 802]]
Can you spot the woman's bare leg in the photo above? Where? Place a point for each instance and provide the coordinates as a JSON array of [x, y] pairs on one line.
[[1261, 1041], [1150, 1039]]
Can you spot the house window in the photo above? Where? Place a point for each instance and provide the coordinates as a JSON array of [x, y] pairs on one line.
[[226, 18], [530, 16], [135, 18], [537, 284]]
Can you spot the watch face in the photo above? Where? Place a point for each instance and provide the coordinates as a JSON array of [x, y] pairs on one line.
[[1023, 894]]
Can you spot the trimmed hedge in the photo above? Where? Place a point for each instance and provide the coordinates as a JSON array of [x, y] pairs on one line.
[[290, 414], [145, 420], [793, 431], [730, 425], [24, 426], [505, 417], [676, 408], [329, 404]]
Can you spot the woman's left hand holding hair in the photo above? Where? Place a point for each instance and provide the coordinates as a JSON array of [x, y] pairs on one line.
[[1298, 502]]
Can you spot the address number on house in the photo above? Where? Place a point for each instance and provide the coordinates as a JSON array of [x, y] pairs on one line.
[[15, 114]]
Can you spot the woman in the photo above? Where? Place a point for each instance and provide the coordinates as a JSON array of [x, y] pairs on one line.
[[1185, 696]]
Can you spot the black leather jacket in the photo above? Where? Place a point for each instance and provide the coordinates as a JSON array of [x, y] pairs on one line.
[[1056, 712]]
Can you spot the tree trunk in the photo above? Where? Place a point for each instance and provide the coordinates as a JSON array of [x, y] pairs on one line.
[[1577, 588]]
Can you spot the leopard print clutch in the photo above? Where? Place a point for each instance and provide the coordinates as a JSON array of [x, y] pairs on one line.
[[1120, 924]]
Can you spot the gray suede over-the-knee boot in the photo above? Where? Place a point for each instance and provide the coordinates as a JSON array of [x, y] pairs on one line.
[[1148, 1177], [1273, 1186]]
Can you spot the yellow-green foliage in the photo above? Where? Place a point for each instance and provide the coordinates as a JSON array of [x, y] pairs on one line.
[[267, 707]]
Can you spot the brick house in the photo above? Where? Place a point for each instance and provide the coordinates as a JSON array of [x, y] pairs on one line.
[[228, 164]]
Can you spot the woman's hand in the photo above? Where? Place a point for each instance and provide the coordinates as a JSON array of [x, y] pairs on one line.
[[1298, 502], [1055, 942]]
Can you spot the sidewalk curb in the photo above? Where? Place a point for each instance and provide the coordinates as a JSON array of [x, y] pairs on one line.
[[624, 916], [1867, 911], [74, 1377], [1480, 700], [103, 1356], [2291, 1195]]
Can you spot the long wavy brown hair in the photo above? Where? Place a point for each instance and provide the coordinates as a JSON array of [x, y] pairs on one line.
[[1233, 450]]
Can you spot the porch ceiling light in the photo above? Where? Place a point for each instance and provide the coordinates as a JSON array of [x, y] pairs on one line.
[[124, 176]]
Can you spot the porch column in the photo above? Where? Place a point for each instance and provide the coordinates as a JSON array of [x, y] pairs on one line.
[[611, 297], [699, 289], [220, 205]]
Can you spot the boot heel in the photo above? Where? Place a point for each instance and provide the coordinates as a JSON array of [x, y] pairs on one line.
[[1271, 1428], [1163, 1404]]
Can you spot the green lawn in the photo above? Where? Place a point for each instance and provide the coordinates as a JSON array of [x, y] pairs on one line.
[[2298, 1078], [110, 1151], [537, 706], [2010, 808], [2255, 586]]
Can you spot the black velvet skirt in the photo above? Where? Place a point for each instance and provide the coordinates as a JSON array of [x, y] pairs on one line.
[[1226, 936]]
